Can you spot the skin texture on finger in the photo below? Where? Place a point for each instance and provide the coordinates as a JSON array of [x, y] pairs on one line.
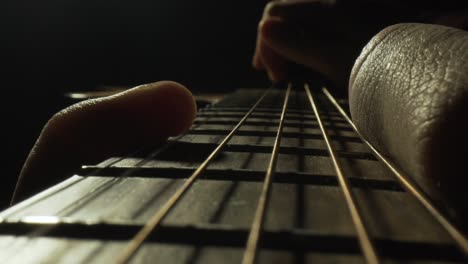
[[409, 97], [93, 130]]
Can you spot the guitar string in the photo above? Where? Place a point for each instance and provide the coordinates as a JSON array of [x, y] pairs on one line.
[[365, 242], [250, 253], [460, 240], [137, 241]]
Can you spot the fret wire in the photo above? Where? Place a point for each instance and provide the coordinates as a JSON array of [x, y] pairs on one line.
[[137, 241], [460, 240], [156, 152], [246, 175], [274, 123], [254, 235], [365, 242]]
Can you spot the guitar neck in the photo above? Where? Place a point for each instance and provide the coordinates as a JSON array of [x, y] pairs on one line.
[[94, 215]]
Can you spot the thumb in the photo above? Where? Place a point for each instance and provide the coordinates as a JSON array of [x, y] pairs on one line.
[[92, 130], [409, 97]]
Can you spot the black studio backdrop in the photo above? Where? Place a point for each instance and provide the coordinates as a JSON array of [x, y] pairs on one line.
[[80, 44], [51, 47]]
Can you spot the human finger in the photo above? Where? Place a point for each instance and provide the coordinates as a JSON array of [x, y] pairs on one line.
[[409, 97], [274, 64], [92, 130]]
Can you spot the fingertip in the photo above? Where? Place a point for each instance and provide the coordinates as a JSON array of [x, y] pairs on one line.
[[171, 106], [149, 112], [185, 108]]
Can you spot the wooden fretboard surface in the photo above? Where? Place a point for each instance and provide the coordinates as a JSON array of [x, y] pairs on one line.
[[90, 217]]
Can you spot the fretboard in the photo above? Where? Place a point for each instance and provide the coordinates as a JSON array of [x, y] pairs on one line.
[[273, 192]]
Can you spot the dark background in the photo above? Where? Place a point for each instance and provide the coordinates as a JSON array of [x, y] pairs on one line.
[[52, 47]]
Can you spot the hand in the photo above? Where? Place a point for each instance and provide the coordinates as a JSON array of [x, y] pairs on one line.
[[92, 130], [407, 91], [314, 34]]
